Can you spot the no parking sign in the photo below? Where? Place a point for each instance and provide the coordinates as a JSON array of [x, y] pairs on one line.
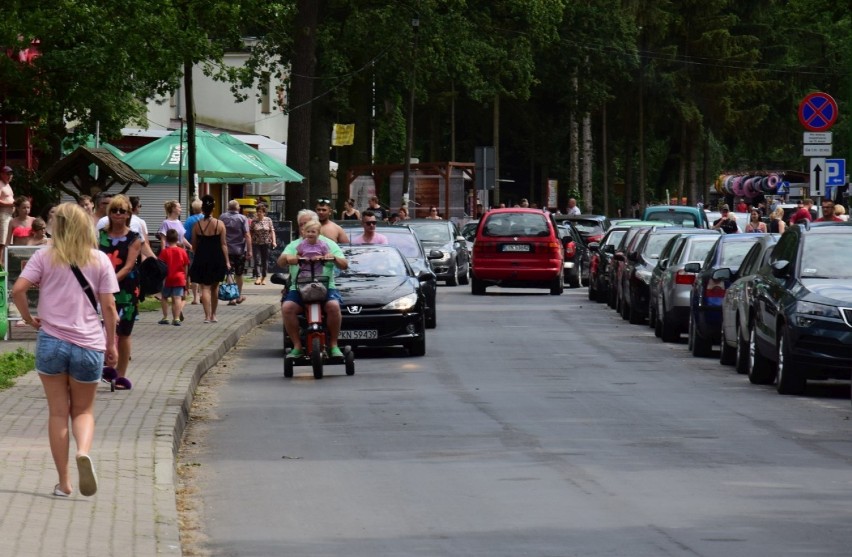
[[818, 112]]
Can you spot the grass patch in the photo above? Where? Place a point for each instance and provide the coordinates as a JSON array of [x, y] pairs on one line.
[[14, 364]]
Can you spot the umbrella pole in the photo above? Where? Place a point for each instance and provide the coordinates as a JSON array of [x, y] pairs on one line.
[[180, 163]]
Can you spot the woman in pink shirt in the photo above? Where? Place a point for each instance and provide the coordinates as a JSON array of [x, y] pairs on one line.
[[72, 344]]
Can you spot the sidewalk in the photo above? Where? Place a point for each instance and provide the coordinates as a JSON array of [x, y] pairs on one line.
[[137, 434]]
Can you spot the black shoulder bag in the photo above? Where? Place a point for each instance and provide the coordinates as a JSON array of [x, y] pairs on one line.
[[84, 284]]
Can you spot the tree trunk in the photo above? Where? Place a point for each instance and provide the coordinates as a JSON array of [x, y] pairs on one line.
[[705, 168], [496, 127], [693, 168], [604, 161], [682, 162], [574, 145], [587, 163], [320, 140], [641, 177], [301, 94]]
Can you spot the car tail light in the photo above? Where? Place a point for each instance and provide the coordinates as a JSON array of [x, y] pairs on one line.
[[483, 247], [715, 291], [595, 238], [570, 249], [684, 278]]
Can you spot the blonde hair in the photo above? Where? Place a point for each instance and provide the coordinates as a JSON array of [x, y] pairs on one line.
[[313, 223], [73, 236], [170, 206], [777, 213], [118, 202], [839, 210]]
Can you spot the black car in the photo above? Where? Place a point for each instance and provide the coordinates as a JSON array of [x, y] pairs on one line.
[[405, 240], [591, 227], [600, 259], [639, 268], [738, 304], [802, 322], [577, 256], [383, 300], [618, 260], [454, 264], [708, 290]]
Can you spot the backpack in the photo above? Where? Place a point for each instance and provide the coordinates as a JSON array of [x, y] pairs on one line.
[[152, 276]]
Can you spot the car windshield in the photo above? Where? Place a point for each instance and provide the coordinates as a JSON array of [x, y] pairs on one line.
[[678, 218], [406, 243], [826, 256], [431, 232], [588, 226], [469, 231], [516, 224], [655, 244], [698, 249], [374, 262], [733, 253]]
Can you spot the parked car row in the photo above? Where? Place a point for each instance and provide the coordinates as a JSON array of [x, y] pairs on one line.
[[779, 306]]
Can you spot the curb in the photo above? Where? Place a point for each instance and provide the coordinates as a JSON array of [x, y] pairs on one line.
[[171, 426]]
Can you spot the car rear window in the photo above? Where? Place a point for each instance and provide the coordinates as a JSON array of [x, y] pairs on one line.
[[614, 238], [733, 253], [678, 218], [516, 224], [655, 244], [826, 256], [699, 249], [588, 226]]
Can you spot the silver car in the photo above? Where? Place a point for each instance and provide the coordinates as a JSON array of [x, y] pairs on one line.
[[672, 315]]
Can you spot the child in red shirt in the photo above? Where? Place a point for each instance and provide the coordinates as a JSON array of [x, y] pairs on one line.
[[177, 261]]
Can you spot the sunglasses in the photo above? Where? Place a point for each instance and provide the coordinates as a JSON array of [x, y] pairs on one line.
[[370, 223], [118, 211], [324, 201]]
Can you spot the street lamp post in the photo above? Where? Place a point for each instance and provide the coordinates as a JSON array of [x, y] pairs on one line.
[[409, 140]]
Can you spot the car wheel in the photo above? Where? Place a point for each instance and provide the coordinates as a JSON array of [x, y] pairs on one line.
[[602, 296], [652, 315], [574, 278], [742, 362], [701, 347], [464, 278], [593, 295], [349, 361], [477, 287], [624, 309], [432, 318], [453, 279], [760, 370], [612, 300], [727, 355], [658, 320], [556, 287], [288, 367], [633, 315], [668, 330], [789, 379]]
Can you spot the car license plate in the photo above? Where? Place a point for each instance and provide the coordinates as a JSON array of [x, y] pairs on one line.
[[358, 334], [516, 247]]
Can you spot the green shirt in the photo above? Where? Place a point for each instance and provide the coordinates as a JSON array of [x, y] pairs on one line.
[[328, 268]]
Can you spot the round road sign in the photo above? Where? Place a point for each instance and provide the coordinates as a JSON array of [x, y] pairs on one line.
[[818, 112]]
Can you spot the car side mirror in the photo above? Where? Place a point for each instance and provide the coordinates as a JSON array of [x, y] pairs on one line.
[[663, 263], [594, 246], [633, 256], [722, 274], [424, 275], [618, 256], [436, 254], [780, 268], [692, 267], [460, 239], [609, 248]]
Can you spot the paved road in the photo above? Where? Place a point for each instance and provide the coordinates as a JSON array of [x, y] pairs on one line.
[[535, 425]]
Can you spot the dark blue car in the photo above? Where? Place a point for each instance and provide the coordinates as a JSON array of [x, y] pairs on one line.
[[708, 290]]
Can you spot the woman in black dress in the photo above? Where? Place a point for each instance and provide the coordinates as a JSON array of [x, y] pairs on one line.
[[210, 263]]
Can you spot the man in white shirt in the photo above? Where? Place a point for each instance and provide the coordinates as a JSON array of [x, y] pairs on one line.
[[7, 204], [572, 207]]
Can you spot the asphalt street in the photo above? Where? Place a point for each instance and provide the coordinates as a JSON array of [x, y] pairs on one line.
[[535, 425]]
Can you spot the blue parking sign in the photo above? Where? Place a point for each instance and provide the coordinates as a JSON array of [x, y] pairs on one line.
[[835, 172]]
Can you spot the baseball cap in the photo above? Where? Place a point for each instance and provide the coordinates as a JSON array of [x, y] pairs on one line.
[[7, 169]]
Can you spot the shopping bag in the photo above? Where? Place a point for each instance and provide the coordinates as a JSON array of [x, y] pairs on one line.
[[228, 290]]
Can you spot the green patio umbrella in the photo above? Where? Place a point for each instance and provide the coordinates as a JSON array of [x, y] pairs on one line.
[[68, 146], [215, 161], [287, 174]]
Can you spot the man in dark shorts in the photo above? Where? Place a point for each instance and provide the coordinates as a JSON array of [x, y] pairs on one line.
[[238, 239]]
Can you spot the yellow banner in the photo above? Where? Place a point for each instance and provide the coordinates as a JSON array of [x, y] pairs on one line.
[[343, 134]]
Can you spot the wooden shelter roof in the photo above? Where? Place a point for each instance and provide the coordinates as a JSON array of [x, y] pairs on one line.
[[74, 168]]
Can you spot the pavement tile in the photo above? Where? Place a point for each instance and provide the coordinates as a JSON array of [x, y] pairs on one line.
[[137, 434]]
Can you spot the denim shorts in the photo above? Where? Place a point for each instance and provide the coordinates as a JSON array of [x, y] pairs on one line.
[[56, 357], [170, 291], [294, 296]]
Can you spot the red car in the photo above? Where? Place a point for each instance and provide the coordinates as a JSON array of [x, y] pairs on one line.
[[518, 248]]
